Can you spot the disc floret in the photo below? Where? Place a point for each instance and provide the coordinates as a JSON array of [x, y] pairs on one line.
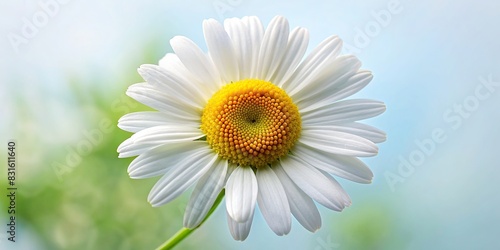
[[251, 122]]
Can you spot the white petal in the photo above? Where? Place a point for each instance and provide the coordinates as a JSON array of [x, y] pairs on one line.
[[343, 111], [158, 160], [196, 62], [128, 149], [239, 230], [148, 95], [273, 202], [174, 66], [335, 74], [322, 189], [181, 176], [166, 134], [241, 193], [221, 50], [337, 92], [315, 63], [205, 193], [347, 167], [138, 121], [255, 34], [172, 85], [301, 205], [295, 50], [273, 47], [230, 168], [368, 132], [238, 31], [338, 142], [171, 61], [342, 194]]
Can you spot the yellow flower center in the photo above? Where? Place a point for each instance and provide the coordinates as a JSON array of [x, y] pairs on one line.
[[251, 122]]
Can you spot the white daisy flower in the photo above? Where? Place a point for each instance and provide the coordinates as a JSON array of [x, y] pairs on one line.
[[252, 117]]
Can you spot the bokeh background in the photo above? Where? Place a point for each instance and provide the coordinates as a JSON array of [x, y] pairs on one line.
[[65, 66]]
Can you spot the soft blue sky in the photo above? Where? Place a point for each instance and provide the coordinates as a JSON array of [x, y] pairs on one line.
[[428, 58]]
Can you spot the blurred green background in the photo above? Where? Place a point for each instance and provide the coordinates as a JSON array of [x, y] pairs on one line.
[[62, 91]]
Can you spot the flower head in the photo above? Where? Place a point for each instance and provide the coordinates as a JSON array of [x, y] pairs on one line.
[[256, 118]]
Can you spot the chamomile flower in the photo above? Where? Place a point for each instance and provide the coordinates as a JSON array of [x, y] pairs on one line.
[[256, 117]]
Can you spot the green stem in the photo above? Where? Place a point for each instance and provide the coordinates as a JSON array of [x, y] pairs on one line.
[[184, 232]]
